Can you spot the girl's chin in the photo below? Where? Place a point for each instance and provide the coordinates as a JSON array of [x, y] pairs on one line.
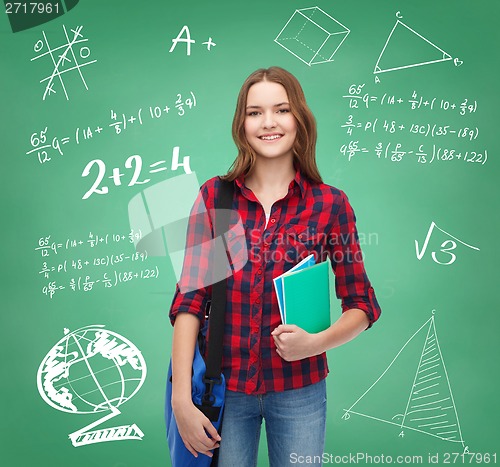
[[273, 157]]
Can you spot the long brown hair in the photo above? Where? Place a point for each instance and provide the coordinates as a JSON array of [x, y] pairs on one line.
[[304, 148]]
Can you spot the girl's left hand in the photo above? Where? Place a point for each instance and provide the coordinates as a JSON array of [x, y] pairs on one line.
[[293, 343]]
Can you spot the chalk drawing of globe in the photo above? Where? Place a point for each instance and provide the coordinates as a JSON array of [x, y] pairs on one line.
[[91, 370]]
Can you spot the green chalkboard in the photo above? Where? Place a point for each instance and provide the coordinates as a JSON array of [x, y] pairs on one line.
[[109, 124]]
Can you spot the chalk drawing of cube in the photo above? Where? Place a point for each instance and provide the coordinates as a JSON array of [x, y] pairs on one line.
[[312, 35]]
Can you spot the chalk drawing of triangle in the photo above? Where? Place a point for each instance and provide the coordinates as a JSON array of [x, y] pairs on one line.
[[414, 391], [406, 48]]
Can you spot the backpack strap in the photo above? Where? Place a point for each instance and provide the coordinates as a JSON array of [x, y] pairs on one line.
[[213, 362]]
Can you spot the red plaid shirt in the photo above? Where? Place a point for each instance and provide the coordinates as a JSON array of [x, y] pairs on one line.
[[311, 218]]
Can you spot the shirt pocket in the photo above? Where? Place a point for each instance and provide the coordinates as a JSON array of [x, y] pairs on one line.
[[299, 243]]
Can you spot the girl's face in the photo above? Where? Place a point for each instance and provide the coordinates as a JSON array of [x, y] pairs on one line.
[[270, 126]]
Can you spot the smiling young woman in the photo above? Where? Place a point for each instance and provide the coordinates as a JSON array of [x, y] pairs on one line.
[[274, 372]]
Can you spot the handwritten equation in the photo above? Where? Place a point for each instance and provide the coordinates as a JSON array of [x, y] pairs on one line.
[[86, 284], [133, 163], [396, 152], [91, 265], [424, 129], [44, 146], [357, 98], [414, 115], [47, 246]]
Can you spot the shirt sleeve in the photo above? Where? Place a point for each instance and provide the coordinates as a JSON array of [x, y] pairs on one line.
[[352, 285], [193, 289]]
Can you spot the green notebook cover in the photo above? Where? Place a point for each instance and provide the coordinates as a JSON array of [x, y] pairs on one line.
[[306, 295]]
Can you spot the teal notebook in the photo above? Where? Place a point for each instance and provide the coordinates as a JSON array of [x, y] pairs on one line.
[[305, 297]]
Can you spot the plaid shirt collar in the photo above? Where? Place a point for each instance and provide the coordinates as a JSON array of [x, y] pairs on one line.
[[299, 181]]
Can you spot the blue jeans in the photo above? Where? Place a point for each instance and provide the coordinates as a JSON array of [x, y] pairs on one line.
[[295, 426]]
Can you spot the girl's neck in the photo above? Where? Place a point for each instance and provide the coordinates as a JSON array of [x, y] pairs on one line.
[[270, 176]]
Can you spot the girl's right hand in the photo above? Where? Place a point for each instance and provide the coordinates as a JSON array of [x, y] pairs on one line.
[[193, 427]]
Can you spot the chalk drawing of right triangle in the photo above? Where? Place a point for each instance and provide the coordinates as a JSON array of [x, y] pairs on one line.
[[406, 48], [414, 391]]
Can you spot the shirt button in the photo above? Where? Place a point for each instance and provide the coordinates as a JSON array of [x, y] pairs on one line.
[[257, 300], [259, 271], [273, 220]]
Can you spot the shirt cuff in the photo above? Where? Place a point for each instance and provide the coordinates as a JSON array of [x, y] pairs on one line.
[[192, 302], [367, 303]]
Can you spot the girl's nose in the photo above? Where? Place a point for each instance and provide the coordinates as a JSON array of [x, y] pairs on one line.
[[269, 120]]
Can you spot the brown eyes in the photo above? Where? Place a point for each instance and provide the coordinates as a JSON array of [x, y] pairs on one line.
[[254, 113]]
